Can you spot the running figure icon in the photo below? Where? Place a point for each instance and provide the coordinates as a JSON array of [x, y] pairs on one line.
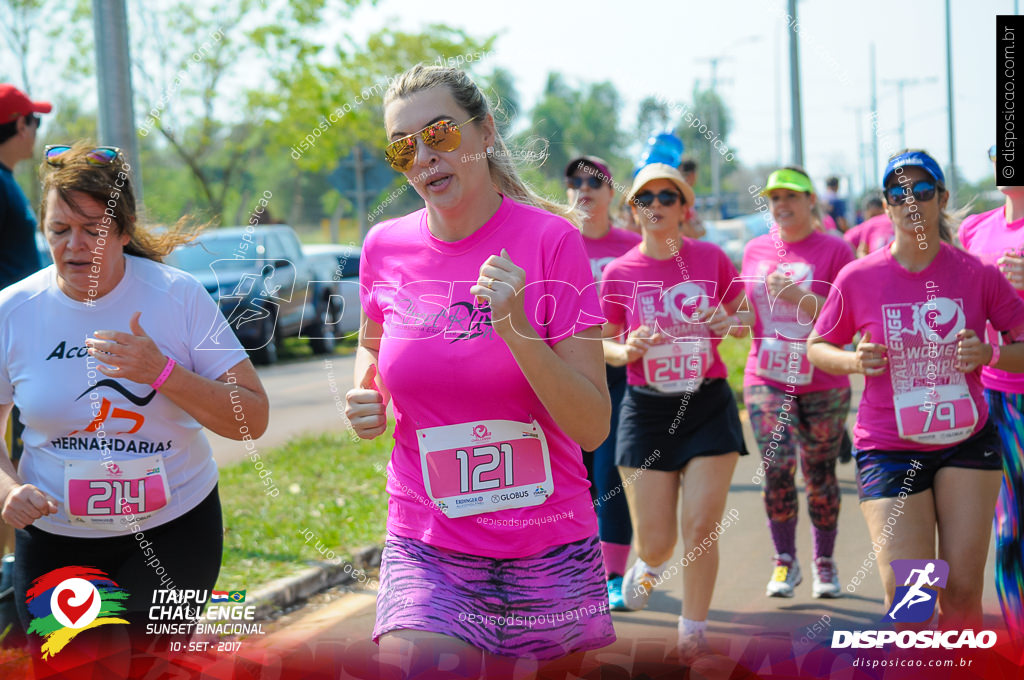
[[915, 594], [250, 309]]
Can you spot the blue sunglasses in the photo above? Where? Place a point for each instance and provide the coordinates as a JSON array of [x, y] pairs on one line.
[[922, 191]]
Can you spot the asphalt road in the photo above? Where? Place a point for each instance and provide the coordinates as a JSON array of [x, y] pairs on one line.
[[306, 396]]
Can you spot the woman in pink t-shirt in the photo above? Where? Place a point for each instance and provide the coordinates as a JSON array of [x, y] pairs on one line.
[[928, 458], [481, 323], [796, 413], [589, 186], [679, 427], [997, 237]]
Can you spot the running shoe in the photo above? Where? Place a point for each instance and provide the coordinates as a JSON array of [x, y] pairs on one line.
[[785, 577], [826, 578], [615, 601], [692, 646], [637, 585]]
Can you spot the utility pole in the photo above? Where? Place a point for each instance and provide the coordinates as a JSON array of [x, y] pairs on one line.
[[874, 121], [901, 84], [794, 89], [716, 171], [858, 117], [716, 123], [949, 102], [113, 71]]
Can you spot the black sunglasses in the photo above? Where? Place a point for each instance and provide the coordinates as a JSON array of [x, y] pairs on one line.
[[576, 182], [922, 191], [645, 199]]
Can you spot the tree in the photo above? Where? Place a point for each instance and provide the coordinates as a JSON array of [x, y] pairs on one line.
[[698, 125], [574, 122], [653, 115], [351, 86], [183, 58], [321, 110], [21, 19], [500, 87], [28, 26]]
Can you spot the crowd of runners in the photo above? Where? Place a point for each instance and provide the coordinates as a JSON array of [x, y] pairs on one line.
[[598, 361], [928, 315]]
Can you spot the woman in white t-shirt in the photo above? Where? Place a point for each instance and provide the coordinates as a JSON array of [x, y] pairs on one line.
[[106, 355]]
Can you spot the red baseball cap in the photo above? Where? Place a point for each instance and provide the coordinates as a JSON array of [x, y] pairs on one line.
[[14, 104]]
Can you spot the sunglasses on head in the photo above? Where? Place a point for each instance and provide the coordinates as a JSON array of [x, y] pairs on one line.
[[100, 155], [444, 135], [922, 191], [992, 152], [645, 199], [591, 181]]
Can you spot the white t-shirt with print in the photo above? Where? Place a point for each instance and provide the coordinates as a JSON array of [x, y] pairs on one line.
[[118, 447]]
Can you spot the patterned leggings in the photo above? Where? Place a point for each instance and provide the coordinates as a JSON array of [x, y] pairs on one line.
[[1007, 412], [811, 422]]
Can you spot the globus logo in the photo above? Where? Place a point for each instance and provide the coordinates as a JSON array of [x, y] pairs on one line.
[[495, 498]]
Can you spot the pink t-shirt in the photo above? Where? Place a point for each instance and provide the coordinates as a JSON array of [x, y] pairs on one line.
[[602, 251], [989, 237], [463, 407], [781, 328], [665, 294], [829, 225], [917, 316], [875, 232]]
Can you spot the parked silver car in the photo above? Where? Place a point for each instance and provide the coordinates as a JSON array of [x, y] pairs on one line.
[[339, 264]]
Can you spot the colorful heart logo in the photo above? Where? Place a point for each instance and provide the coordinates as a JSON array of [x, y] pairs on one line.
[[73, 612]]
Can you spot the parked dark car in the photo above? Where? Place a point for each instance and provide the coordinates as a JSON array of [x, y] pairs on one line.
[[265, 287], [339, 265]]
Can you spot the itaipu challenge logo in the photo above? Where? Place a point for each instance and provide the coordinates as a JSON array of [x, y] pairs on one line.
[[69, 600]]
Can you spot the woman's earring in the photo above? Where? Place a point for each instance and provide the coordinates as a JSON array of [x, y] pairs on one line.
[[490, 151]]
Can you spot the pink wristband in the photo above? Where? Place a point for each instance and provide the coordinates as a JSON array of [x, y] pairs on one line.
[[995, 355], [164, 375]]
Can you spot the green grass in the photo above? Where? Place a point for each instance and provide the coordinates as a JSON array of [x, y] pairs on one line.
[[298, 348], [328, 486], [734, 353]]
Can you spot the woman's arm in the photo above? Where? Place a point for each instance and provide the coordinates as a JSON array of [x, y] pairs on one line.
[[214, 403], [637, 343], [869, 358], [727, 319], [366, 404], [569, 378], [971, 353], [22, 503], [134, 356], [782, 287]]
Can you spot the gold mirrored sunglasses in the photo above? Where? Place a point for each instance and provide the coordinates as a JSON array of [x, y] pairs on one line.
[[444, 135]]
